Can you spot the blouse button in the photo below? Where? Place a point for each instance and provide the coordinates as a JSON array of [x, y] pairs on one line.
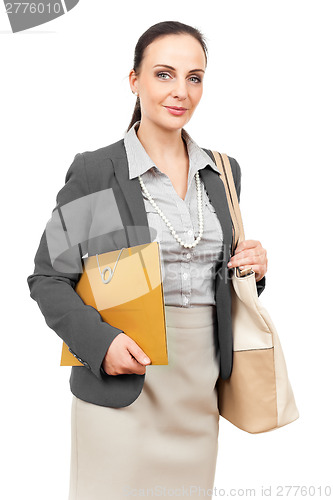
[[188, 255]]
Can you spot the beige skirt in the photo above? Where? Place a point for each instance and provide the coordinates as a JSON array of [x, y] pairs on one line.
[[165, 443]]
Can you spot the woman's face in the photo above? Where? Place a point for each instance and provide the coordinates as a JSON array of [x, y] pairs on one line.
[[171, 75]]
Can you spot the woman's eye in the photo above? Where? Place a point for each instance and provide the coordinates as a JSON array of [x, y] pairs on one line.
[[196, 78], [164, 74]]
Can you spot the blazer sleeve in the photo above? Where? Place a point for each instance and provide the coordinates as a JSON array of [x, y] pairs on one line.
[[237, 173], [80, 326]]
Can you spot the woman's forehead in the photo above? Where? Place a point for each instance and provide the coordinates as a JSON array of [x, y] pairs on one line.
[[173, 49]]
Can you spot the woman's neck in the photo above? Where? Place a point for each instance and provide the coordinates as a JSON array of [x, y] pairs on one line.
[[163, 147]]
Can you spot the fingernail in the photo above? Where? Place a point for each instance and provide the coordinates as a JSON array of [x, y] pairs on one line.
[[146, 360]]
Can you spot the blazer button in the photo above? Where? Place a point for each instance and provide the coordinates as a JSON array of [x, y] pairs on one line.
[[79, 359]]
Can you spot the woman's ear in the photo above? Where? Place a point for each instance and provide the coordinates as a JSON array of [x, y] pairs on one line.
[[133, 81]]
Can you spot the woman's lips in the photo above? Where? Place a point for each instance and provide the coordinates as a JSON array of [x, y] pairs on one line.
[[176, 111]]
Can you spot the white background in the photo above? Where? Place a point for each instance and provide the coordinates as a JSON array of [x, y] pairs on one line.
[[268, 103]]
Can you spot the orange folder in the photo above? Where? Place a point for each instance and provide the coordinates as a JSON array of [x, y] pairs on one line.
[[125, 286]]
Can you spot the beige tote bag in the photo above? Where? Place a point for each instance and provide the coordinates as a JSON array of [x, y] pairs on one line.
[[257, 397]]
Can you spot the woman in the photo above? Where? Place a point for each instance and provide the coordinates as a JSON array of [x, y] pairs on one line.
[[135, 428]]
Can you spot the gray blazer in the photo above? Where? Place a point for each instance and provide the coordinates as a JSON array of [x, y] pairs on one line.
[[81, 327]]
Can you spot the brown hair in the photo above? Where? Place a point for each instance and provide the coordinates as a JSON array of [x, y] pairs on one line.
[[155, 31]]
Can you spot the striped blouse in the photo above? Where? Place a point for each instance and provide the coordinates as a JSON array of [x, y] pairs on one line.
[[187, 273]]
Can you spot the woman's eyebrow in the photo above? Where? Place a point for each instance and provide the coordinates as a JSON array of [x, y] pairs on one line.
[[170, 67]]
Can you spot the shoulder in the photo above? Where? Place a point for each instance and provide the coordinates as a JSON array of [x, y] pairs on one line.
[[114, 150], [235, 168], [90, 172], [97, 166]]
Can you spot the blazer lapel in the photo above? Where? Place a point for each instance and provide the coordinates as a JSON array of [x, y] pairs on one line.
[[135, 217], [216, 192]]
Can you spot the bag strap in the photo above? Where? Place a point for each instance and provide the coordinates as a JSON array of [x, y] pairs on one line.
[[223, 164]]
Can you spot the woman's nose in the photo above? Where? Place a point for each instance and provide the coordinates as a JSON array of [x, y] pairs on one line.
[[180, 89]]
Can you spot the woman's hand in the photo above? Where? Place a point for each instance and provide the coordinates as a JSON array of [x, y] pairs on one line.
[[125, 356], [250, 253]]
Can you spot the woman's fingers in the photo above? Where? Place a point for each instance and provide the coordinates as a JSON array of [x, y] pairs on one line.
[[250, 253], [246, 244], [137, 352], [125, 356]]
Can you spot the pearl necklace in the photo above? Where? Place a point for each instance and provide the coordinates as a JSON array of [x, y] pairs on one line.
[[166, 220]]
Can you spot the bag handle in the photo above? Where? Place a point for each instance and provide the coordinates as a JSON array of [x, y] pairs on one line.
[[223, 164]]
